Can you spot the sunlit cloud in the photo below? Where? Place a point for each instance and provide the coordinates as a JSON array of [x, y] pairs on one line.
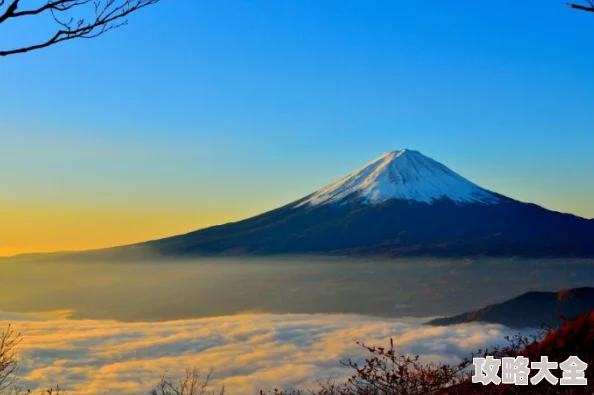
[[247, 352]]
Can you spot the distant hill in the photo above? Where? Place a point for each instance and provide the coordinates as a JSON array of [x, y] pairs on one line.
[[531, 309]]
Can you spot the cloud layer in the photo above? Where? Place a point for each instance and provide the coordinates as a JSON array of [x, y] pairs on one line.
[[247, 352]]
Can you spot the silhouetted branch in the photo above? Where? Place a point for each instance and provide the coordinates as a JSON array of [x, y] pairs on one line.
[[589, 8], [190, 384], [9, 340], [94, 17]]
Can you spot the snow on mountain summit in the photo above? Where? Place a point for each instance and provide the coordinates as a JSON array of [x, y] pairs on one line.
[[407, 175]]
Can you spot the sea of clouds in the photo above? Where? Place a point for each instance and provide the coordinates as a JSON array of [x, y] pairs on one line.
[[247, 352]]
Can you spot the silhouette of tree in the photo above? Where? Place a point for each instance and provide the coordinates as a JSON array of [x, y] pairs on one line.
[[9, 341], [71, 18], [589, 7], [190, 384]]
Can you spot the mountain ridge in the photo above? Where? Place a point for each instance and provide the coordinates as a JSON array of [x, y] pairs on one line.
[[530, 309]]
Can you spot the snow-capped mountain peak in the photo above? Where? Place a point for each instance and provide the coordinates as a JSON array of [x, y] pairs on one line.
[[404, 174]]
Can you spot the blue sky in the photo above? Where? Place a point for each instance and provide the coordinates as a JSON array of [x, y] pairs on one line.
[[200, 112]]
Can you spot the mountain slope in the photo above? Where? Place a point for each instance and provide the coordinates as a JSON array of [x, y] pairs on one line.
[[531, 309], [402, 203]]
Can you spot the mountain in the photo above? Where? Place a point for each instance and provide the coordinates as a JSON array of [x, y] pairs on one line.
[[531, 309], [400, 204]]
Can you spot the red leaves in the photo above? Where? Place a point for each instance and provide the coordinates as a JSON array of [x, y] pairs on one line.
[[387, 373]]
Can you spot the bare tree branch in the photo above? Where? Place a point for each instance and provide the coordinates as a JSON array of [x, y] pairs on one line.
[[589, 8], [94, 18], [190, 384], [9, 341]]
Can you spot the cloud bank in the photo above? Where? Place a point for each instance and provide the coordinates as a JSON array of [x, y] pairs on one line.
[[247, 352]]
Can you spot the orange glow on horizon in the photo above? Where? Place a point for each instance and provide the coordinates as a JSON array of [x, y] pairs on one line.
[[44, 228]]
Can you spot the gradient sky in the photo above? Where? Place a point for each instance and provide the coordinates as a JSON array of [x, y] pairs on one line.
[[207, 111]]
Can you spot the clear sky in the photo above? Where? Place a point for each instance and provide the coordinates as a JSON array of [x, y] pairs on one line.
[[207, 111]]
